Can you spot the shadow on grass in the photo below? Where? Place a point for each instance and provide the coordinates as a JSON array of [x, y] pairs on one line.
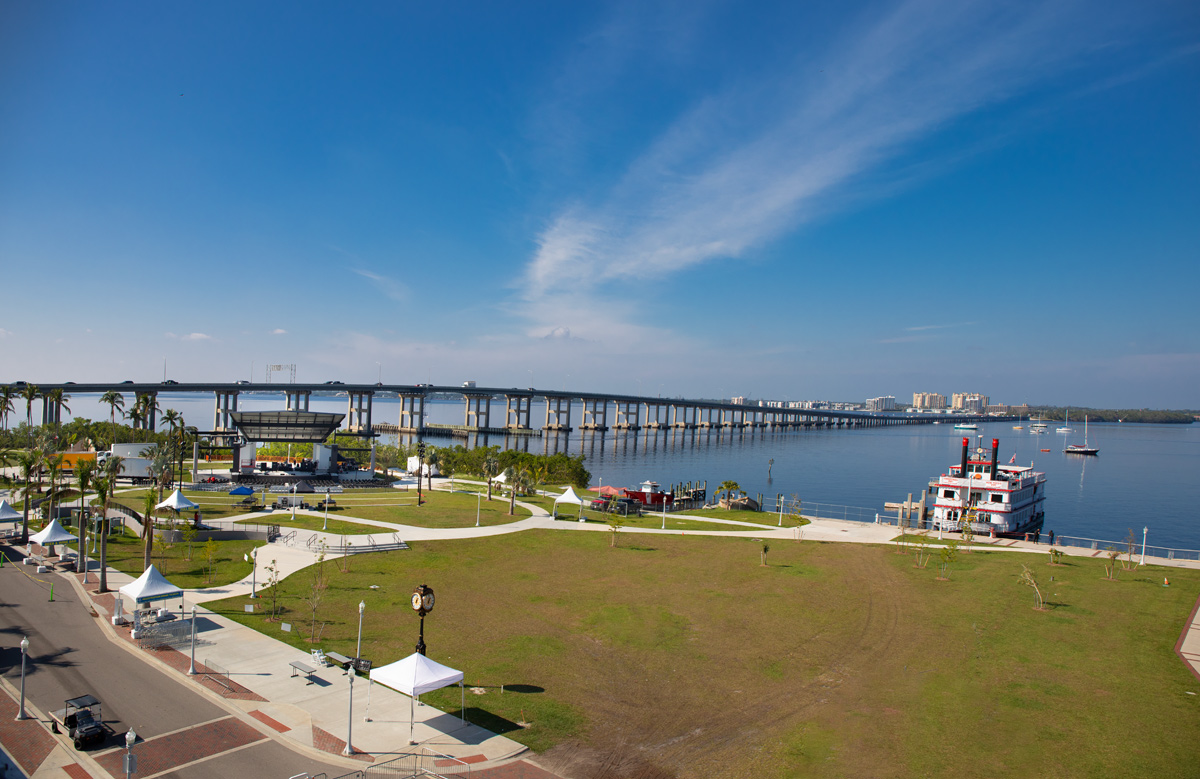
[[486, 719]]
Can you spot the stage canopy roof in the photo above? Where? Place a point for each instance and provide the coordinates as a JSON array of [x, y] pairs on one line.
[[7, 513], [308, 427], [151, 586], [177, 501], [53, 533]]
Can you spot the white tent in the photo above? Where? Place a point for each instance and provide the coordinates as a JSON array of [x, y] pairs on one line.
[[569, 497], [7, 513], [53, 533], [177, 502], [149, 587], [414, 675]]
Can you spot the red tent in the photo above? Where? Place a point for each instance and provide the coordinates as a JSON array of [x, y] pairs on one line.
[[607, 490]]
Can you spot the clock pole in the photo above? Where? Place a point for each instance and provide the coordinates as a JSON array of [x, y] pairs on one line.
[[422, 603]]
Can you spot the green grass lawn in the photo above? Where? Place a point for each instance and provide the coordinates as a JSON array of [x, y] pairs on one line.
[[305, 522], [439, 508], [691, 520], [125, 554], [684, 654]]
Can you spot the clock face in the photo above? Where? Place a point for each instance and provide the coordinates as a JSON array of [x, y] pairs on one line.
[[427, 601], [416, 601]]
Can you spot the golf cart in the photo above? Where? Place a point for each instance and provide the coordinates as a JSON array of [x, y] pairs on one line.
[[82, 721]]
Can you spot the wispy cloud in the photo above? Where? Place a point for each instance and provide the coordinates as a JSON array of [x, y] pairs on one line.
[[190, 337], [5, 333], [279, 331], [745, 165], [389, 287], [919, 328]]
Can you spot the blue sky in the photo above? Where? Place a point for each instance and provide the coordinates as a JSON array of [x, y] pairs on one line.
[[793, 200]]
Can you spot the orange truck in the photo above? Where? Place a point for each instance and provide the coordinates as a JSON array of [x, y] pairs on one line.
[[71, 459]]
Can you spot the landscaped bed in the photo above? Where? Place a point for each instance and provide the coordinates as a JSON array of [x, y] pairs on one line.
[[684, 656], [125, 553]]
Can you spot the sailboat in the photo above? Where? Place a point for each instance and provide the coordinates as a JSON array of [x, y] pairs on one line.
[[1066, 421], [1085, 449], [1018, 426], [1037, 426]]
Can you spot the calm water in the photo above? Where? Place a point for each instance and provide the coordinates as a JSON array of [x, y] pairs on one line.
[[1145, 475]]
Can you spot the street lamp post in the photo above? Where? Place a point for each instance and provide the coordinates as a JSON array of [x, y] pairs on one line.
[[293, 501], [478, 504], [253, 560], [1145, 530], [192, 668], [326, 525], [349, 750], [24, 651], [130, 758]]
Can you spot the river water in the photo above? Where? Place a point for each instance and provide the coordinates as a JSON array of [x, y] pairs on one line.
[[1144, 475]]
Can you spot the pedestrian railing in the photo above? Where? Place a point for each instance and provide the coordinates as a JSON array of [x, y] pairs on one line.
[[1157, 552]]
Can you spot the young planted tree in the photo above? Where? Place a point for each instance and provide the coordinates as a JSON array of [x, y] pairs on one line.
[[948, 555], [272, 584], [211, 547], [923, 552], [1130, 548], [1055, 556], [1029, 580], [968, 531], [189, 532], [763, 558], [1110, 570], [316, 591], [615, 523]]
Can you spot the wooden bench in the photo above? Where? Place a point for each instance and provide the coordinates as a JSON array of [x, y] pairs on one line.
[[304, 668]]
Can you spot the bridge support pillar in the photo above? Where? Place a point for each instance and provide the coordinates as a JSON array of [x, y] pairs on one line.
[[516, 411], [358, 418], [479, 411], [561, 415], [627, 415], [412, 413], [595, 415], [297, 400]]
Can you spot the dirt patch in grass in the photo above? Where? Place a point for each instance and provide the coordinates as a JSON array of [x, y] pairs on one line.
[[682, 656]]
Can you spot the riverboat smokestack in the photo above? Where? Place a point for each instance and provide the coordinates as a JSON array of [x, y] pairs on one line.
[[966, 446], [995, 456]]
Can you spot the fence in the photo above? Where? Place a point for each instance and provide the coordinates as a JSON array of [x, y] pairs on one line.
[[219, 675], [425, 763], [1160, 552]]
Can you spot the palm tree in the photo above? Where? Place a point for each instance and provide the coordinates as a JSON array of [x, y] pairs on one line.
[[29, 463], [57, 397], [729, 488], [135, 416], [84, 472], [184, 434], [431, 460], [105, 486], [54, 468], [519, 479], [147, 529], [30, 394], [114, 400], [491, 469], [8, 394], [150, 408], [174, 421]]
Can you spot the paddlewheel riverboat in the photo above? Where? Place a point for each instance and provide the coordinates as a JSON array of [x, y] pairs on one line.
[[996, 499]]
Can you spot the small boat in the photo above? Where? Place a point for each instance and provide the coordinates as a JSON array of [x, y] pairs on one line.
[[1044, 450], [1019, 426], [966, 426], [1066, 421], [1038, 426], [1084, 448]]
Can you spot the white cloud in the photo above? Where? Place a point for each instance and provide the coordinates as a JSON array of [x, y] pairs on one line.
[[389, 287], [5, 333], [190, 337], [745, 165], [279, 331]]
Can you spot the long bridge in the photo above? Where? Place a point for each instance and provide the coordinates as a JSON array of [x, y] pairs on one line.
[[596, 411]]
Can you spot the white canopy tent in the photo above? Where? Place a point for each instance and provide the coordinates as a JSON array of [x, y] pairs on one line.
[[569, 497], [414, 675], [52, 534], [178, 502], [149, 587], [8, 513]]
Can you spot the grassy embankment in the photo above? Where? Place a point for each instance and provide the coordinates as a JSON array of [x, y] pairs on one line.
[[684, 653]]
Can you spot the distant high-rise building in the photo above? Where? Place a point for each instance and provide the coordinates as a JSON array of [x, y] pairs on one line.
[[930, 400], [886, 403], [971, 402]]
